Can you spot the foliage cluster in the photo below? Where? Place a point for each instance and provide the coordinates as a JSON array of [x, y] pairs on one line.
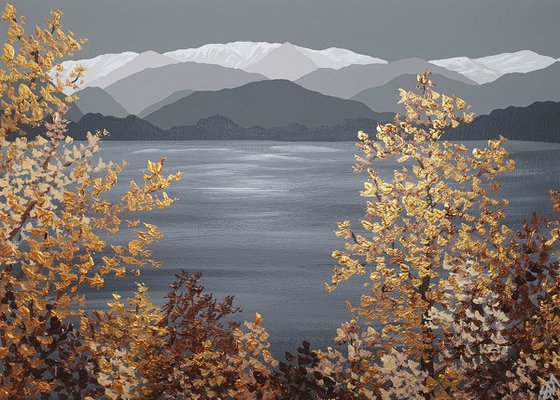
[[457, 306]]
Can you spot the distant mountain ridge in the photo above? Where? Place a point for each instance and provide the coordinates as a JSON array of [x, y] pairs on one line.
[[284, 62], [142, 89], [96, 100], [263, 103], [516, 89], [107, 69], [145, 60], [96, 67], [349, 81], [245, 55], [488, 69], [538, 122], [215, 127]]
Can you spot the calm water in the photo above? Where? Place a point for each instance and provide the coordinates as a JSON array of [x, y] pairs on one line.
[[258, 219]]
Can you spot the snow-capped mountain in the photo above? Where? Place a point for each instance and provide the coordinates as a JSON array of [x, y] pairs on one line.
[[232, 55], [472, 69], [242, 55], [99, 66], [147, 59], [103, 70], [488, 69], [284, 62], [521, 61], [337, 58], [289, 61], [293, 61]]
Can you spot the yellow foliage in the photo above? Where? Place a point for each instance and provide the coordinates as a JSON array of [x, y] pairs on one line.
[[55, 211], [435, 240], [28, 85]]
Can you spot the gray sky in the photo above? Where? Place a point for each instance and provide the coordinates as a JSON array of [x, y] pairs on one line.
[[389, 29]]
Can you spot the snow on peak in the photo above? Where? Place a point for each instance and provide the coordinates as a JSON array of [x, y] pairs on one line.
[[145, 60], [472, 69], [488, 69], [99, 66], [336, 58], [232, 55], [244, 54], [284, 62], [106, 69], [521, 61], [288, 61]]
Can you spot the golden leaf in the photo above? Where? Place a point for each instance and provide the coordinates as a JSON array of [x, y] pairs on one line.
[[8, 52], [44, 340], [97, 281], [154, 168], [536, 345]]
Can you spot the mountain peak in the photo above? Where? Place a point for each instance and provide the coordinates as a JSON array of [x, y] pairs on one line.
[[142, 61], [284, 62], [97, 67], [149, 53], [257, 104]]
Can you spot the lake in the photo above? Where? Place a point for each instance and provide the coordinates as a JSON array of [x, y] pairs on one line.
[[257, 218]]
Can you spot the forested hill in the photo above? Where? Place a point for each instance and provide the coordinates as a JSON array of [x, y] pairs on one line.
[[217, 128], [539, 122]]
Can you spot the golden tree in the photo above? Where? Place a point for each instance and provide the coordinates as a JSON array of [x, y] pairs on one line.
[[31, 81], [59, 227], [184, 349], [446, 275], [56, 217]]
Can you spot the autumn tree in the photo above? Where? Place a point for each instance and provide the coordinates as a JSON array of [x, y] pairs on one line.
[[56, 217], [59, 228], [179, 350], [460, 306]]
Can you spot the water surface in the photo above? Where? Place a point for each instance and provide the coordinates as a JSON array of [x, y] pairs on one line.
[[258, 218]]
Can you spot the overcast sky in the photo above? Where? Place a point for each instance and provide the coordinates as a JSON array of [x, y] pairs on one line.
[[389, 29]]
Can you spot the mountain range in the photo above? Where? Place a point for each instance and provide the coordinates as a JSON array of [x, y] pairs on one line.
[[142, 89], [267, 85], [215, 127], [350, 81], [516, 89], [253, 56], [537, 122]]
